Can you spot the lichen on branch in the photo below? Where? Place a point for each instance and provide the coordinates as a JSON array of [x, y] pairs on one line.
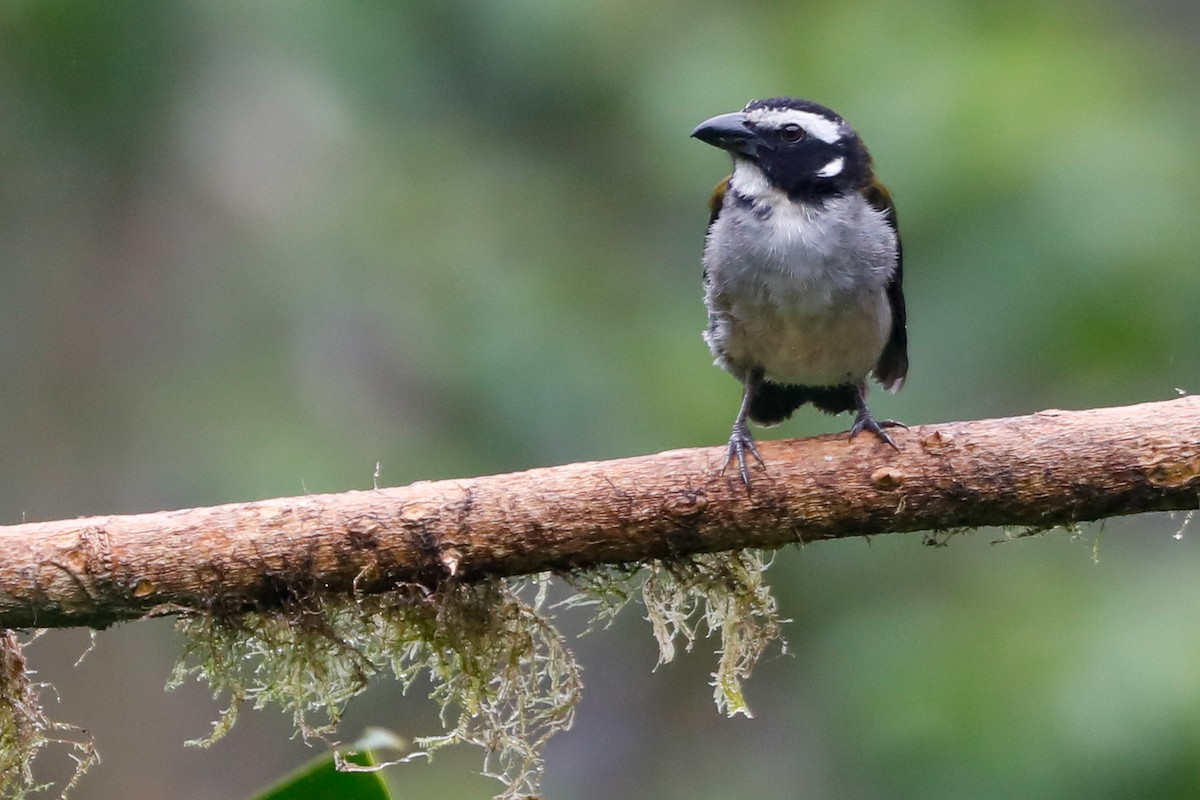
[[25, 730], [300, 602], [501, 671]]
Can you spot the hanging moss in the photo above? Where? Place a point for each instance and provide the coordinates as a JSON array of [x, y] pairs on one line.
[[25, 730], [501, 671]]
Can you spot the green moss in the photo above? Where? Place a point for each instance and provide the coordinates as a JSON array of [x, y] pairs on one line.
[[723, 594], [25, 730], [501, 671]]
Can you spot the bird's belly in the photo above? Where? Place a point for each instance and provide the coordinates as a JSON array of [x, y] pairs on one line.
[[800, 292], [813, 344]]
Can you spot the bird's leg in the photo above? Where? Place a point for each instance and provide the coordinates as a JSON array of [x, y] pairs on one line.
[[865, 422], [740, 440]]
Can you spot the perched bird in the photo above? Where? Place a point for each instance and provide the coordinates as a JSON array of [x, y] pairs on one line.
[[802, 269]]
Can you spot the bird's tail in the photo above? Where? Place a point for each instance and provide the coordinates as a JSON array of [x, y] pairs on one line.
[[775, 402]]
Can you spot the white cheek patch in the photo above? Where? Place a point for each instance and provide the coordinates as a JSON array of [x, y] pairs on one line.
[[817, 126], [832, 168]]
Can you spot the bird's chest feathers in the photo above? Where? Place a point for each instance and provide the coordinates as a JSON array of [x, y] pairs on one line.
[[799, 249], [799, 289], [801, 255]]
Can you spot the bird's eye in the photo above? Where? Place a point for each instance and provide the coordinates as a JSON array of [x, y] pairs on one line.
[[791, 132]]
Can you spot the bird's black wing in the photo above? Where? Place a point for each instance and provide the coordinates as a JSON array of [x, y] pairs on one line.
[[892, 366]]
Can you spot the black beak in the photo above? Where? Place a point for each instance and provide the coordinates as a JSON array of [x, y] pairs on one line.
[[729, 132]]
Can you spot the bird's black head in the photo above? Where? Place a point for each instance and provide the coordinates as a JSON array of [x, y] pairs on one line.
[[801, 148]]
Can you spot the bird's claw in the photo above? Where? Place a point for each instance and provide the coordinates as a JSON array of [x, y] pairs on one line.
[[740, 443], [865, 422]]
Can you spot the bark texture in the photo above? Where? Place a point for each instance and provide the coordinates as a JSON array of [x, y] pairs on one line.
[[1050, 468]]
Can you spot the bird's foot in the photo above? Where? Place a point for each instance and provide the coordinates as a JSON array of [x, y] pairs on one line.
[[741, 443], [865, 422]]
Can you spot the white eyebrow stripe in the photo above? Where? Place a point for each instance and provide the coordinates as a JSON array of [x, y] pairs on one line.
[[821, 127]]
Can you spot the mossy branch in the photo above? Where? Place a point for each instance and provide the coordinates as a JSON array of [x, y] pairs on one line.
[[1047, 469], [301, 602]]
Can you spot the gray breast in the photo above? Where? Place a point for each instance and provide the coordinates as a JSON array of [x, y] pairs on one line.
[[799, 290]]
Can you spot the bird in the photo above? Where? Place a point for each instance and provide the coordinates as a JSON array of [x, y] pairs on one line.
[[802, 270]]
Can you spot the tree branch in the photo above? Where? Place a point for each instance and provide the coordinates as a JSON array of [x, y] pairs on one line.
[[1051, 468]]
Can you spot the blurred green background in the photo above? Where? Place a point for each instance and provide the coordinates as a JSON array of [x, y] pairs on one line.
[[252, 248]]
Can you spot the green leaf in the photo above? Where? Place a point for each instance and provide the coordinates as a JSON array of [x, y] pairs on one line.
[[320, 779]]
